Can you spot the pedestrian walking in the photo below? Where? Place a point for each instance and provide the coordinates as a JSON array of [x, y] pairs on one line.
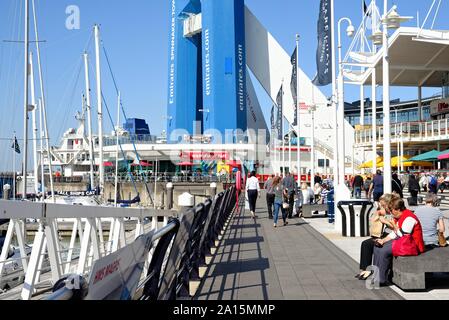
[[268, 186], [253, 191], [357, 185], [290, 185], [377, 188], [280, 203], [414, 188], [396, 185]]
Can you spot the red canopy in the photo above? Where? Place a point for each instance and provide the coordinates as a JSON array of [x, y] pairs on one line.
[[108, 164], [444, 156], [142, 164]]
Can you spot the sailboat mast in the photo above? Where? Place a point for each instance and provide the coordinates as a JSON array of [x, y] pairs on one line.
[[25, 89], [43, 101], [34, 123], [41, 129], [99, 105], [117, 148], [89, 119]]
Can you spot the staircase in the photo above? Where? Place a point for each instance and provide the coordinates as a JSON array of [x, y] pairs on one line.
[[329, 153]]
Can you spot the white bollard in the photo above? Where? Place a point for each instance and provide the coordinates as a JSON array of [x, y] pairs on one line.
[[186, 201]]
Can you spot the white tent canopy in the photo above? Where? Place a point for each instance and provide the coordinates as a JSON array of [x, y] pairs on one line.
[[418, 58]]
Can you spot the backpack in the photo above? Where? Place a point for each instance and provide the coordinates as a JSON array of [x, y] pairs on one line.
[[433, 181]]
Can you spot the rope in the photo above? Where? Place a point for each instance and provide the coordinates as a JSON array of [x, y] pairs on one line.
[[120, 145], [123, 111]]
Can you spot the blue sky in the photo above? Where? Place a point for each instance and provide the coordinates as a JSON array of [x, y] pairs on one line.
[[135, 34]]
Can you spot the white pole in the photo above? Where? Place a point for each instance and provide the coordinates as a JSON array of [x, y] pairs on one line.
[[14, 168], [341, 111], [402, 148], [289, 150], [116, 149], [386, 107], [25, 119], [334, 98], [41, 129], [89, 119], [43, 102], [298, 131], [374, 96], [34, 123], [312, 173], [396, 132], [99, 105], [155, 182]]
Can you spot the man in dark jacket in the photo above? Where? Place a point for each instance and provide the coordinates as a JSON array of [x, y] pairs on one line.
[[413, 187], [357, 185], [396, 185]]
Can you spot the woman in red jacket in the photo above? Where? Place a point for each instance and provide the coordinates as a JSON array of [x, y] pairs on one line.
[[407, 224]]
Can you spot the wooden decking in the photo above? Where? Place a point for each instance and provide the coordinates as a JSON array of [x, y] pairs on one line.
[[257, 262]]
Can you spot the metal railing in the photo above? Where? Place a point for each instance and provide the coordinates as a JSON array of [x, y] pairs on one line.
[[177, 252], [87, 224], [408, 132]]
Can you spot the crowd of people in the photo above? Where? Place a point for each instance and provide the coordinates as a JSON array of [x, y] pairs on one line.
[[285, 197], [395, 230]]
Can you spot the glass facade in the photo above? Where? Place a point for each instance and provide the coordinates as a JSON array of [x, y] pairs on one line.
[[402, 116]]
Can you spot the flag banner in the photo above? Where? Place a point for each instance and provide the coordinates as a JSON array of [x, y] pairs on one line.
[[365, 8], [294, 85], [15, 146], [273, 124], [324, 51], [279, 120]]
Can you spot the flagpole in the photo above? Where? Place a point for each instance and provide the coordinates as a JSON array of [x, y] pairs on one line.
[[14, 166], [25, 89], [298, 112], [334, 96]]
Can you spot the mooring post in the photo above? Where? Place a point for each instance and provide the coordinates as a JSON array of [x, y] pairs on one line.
[[6, 189], [169, 204], [213, 190]]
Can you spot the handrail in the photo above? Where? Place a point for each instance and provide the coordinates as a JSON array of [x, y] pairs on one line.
[[66, 289]]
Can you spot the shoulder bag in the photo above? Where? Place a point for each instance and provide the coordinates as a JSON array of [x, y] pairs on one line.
[[405, 246], [376, 226]]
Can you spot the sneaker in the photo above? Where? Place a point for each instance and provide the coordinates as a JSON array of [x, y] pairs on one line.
[[275, 225]]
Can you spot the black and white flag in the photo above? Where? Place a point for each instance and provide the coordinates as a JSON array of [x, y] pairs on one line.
[[15, 145], [294, 85], [273, 124], [324, 51], [279, 120]]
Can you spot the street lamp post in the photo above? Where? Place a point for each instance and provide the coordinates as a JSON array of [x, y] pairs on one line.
[[391, 20], [386, 104], [341, 103]]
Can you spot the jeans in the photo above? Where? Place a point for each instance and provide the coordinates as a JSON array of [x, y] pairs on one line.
[[357, 192], [278, 206]]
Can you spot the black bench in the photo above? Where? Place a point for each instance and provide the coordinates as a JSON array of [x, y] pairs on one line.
[[409, 273]]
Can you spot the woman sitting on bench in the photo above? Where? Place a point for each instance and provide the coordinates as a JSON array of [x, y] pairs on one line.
[[380, 226]]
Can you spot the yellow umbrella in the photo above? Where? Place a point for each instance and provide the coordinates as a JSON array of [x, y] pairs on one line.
[[396, 162], [369, 164]]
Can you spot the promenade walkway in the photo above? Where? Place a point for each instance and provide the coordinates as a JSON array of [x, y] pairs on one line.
[[257, 262]]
